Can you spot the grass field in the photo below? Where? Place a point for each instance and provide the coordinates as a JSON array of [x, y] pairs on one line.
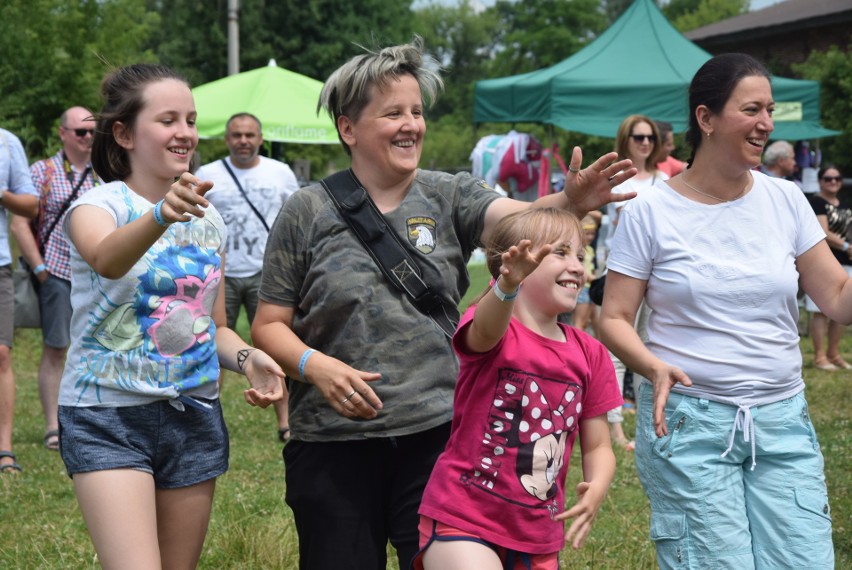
[[252, 528]]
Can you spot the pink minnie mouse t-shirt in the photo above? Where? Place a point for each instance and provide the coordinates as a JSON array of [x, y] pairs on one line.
[[516, 414]]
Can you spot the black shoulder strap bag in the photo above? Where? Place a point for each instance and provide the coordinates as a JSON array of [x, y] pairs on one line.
[[387, 250]]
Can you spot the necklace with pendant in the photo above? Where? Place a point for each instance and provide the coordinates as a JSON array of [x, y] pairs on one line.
[[694, 189]]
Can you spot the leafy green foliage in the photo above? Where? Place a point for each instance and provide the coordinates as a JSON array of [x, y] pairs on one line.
[[55, 53], [687, 15], [833, 69]]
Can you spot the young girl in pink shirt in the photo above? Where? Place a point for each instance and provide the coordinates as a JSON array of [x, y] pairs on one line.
[[527, 387]]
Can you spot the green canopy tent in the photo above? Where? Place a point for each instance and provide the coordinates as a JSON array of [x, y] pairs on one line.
[[284, 101], [640, 64]]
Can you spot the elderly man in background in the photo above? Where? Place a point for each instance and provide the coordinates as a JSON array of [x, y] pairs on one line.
[[779, 160], [248, 190], [59, 179], [18, 196]]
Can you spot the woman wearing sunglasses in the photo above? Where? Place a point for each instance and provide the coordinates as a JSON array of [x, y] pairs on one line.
[[639, 140], [834, 215]]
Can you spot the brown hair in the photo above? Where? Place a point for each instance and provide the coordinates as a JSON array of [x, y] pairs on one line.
[[622, 140], [122, 91]]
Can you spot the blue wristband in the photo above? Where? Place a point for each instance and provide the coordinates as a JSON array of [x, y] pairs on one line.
[[39, 268], [302, 361], [502, 295], [158, 215]]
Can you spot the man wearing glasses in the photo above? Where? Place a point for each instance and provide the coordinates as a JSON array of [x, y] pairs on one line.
[[60, 180]]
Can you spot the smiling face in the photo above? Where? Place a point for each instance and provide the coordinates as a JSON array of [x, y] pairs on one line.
[[553, 287], [641, 143], [830, 182], [740, 131], [164, 135], [387, 139], [77, 119]]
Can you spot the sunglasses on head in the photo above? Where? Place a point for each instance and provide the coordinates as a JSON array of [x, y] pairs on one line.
[[81, 132], [641, 138], [833, 178]]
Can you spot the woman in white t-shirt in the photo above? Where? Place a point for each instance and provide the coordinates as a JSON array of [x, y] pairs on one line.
[[717, 252]]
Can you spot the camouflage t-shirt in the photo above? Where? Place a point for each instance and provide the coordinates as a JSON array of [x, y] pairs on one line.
[[346, 308]]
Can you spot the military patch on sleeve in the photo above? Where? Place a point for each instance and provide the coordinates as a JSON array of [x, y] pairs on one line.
[[422, 233]]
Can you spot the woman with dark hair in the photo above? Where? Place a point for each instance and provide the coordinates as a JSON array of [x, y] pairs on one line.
[[725, 448], [834, 215], [141, 427]]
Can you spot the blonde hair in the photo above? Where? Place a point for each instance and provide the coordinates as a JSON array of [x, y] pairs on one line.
[[347, 91], [539, 225]]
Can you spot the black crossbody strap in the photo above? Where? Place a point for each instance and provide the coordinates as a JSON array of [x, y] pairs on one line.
[[386, 249], [243, 192]]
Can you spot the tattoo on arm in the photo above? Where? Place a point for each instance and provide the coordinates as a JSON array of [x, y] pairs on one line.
[[242, 356]]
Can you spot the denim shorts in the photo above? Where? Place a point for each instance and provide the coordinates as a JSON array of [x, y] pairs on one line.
[[179, 448], [54, 299], [709, 511], [583, 298]]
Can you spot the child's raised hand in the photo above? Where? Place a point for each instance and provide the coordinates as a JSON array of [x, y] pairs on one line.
[[186, 198], [521, 260]]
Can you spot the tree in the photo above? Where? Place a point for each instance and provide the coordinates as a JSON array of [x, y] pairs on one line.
[[535, 34], [55, 53], [688, 15], [833, 69]]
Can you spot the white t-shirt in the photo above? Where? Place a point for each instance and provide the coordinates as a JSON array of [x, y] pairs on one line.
[[148, 335], [722, 285], [267, 185], [631, 185]]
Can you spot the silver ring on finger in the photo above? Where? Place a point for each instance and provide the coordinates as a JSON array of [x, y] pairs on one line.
[[344, 400], [354, 391], [573, 170]]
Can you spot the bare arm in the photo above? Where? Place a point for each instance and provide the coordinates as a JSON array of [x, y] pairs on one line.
[[25, 205], [622, 297], [598, 471], [20, 228], [585, 190], [826, 282], [263, 373], [491, 317], [272, 331], [112, 251]]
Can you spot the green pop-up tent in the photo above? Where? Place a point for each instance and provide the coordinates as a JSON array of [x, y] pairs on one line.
[[284, 101], [640, 64]]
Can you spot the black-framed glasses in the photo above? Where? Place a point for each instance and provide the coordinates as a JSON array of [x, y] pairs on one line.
[[81, 132], [641, 138], [832, 178]]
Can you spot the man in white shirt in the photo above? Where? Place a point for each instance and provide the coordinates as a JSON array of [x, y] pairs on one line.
[[248, 191]]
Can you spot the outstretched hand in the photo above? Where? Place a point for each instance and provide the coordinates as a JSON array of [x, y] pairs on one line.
[[519, 261], [185, 198], [265, 377], [592, 187]]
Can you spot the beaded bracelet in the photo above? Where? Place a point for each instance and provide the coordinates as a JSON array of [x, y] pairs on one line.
[[158, 215], [302, 361]]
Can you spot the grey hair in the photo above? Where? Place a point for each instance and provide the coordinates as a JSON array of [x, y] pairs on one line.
[[347, 91], [776, 151]]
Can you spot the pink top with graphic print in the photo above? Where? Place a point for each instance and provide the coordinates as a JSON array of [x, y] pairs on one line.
[[515, 419]]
